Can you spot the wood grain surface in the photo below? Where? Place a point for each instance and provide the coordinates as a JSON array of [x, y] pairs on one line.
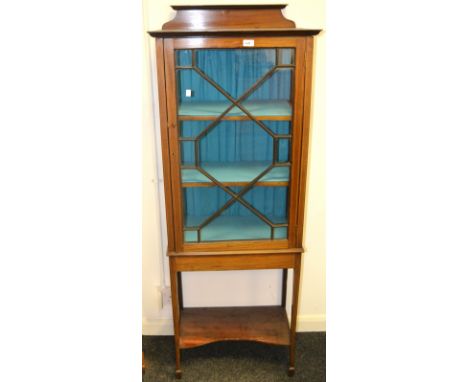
[[200, 326]]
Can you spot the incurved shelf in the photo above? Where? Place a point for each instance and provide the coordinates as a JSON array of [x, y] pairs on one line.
[[201, 326]]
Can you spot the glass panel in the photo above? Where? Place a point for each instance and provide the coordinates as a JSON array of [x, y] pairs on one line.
[[190, 129], [193, 176], [286, 56], [184, 58], [236, 151], [280, 233], [236, 223], [237, 147], [271, 202], [283, 150], [187, 153], [196, 96], [278, 127], [273, 96], [190, 236], [235, 70], [199, 204], [276, 174]]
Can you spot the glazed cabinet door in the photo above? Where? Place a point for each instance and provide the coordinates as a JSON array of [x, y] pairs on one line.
[[235, 119]]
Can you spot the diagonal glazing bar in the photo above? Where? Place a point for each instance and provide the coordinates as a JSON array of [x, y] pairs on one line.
[[216, 121], [233, 100], [240, 99], [236, 197], [236, 102]]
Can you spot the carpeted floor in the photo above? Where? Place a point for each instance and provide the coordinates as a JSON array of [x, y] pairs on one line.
[[235, 361]]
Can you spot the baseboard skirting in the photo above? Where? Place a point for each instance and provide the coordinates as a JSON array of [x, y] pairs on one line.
[[305, 323], [160, 327], [311, 323]]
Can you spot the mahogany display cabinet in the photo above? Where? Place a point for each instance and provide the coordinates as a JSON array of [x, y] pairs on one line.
[[234, 100]]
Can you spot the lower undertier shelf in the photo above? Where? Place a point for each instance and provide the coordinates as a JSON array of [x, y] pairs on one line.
[[266, 324]]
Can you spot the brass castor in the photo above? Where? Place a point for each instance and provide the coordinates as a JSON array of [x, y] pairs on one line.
[[291, 371], [178, 374]]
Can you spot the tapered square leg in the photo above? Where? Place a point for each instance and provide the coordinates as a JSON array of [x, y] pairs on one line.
[[178, 372], [176, 294], [284, 288], [295, 300]]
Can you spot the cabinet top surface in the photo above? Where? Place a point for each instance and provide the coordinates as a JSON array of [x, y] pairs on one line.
[[229, 6], [223, 20]]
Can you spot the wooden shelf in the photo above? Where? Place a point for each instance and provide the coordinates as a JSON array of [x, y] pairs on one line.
[[264, 110], [266, 324]]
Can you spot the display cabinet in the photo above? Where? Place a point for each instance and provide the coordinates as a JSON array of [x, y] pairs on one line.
[[234, 102]]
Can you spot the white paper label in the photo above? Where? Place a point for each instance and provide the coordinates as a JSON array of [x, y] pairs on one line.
[[188, 92], [248, 42]]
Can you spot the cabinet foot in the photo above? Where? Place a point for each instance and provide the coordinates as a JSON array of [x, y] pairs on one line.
[[178, 374], [291, 371]]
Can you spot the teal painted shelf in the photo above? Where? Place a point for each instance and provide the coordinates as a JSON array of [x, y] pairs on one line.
[[236, 172], [233, 228], [280, 108]]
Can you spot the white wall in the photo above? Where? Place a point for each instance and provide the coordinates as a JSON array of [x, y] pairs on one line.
[[233, 287]]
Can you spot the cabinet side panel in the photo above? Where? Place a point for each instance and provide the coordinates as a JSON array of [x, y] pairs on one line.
[[305, 136], [165, 142], [173, 135], [296, 170]]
